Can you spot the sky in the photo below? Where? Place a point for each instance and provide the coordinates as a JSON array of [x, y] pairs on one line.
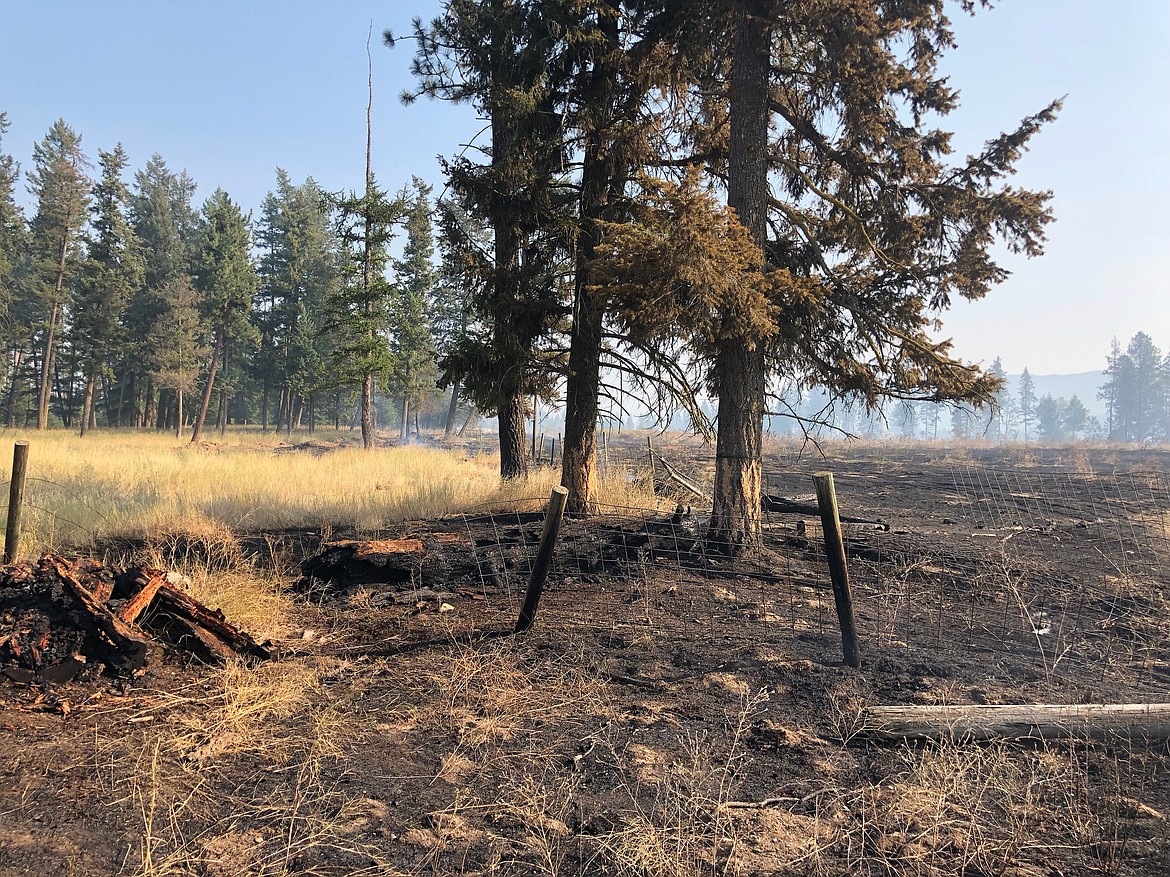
[[229, 91]]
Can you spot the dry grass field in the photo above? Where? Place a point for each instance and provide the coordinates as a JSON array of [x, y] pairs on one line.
[[657, 724]]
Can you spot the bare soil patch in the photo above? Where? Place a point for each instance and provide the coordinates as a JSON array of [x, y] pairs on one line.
[[670, 712]]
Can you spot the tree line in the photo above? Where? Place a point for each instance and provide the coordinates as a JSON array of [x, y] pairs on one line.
[[125, 305], [670, 200]]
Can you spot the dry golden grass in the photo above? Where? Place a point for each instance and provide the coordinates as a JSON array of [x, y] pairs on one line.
[[147, 485]]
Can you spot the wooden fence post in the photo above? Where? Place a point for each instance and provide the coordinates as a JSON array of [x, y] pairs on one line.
[[540, 566], [838, 571], [15, 501]]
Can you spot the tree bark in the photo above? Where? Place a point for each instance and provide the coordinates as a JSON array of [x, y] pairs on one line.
[[513, 462], [87, 404], [739, 365], [50, 333], [197, 432], [452, 410], [178, 412], [368, 410], [404, 427]]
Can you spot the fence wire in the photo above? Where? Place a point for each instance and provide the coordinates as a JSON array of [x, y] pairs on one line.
[[1048, 584]]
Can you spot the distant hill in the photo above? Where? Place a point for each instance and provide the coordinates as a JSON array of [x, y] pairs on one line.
[[1083, 384]]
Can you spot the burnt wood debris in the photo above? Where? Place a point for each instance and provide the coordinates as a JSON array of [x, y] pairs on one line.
[[60, 617]]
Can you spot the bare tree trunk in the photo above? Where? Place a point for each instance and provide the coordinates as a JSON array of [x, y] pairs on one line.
[[513, 462], [150, 407], [50, 335], [179, 412], [417, 431], [739, 365], [17, 356], [87, 405], [368, 411], [452, 410], [404, 427], [197, 432]]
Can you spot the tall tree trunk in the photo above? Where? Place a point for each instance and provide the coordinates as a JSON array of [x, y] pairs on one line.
[[17, 356], [150, 406], [197, 433], [598, 172], [739, 364], [368, 411], [179, 412], [87, 405], [46, 369], [47, 359], [513, 462], [404, 427], [452, 409], [120, 411]]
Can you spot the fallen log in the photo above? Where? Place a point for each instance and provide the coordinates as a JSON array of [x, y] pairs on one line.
[[1079, 722], [772, 503]]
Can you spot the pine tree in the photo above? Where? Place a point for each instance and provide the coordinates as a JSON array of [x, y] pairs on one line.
[[60, 185], [1050, 418], [359, 311], [299, 272], [168, 229], [226, 279], [496, 56], [1027, 399], [1110, 389], [112, 272], [862, 227], [1140, 389], [1076, 418], [14, 328], [412, 369], [462, 238], [176, 366]]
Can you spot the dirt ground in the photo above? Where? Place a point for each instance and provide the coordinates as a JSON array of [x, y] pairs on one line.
[[670, 713]]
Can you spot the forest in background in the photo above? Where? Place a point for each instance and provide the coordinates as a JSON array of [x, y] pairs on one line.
[[715, 212]]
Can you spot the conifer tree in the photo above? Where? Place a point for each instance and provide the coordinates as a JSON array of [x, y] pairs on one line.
[[176, 366], [1050, 423], [412, 356], [226, 279], [462, 238], [1075, 417], [60, 185], [1140, 389], [299, 272], [496, 56], [1027, 400], [13, 248], [359, 312], [112, 272], [168, 228]]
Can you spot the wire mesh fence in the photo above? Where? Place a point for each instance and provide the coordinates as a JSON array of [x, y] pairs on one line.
[[1052, 584]]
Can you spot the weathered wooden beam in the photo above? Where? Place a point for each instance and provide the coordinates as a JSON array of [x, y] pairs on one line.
[[182, 606], [1084, 722]]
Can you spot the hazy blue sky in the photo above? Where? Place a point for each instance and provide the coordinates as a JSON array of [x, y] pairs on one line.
[[231, 90]]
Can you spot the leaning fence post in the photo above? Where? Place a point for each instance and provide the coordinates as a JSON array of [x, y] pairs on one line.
[[540, 566], [838, 571], [15, 501]]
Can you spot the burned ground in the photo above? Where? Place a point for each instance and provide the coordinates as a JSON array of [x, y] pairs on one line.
[[671, 712]]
